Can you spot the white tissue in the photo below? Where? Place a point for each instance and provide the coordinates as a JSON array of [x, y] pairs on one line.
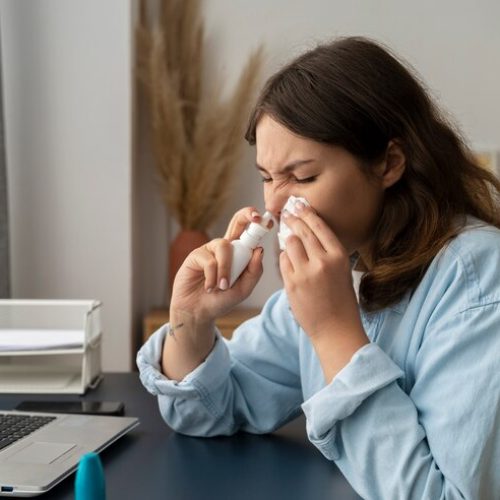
[[285, 231]]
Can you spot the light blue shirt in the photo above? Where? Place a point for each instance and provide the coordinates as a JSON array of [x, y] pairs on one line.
[[414, 415]]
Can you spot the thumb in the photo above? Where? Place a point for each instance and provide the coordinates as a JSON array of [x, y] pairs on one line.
[[253, 271], [255, 267]]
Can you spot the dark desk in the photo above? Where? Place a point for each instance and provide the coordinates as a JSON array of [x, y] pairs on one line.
[[153, 462]]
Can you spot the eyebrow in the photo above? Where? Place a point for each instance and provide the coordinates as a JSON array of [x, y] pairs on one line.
[[288, 168]]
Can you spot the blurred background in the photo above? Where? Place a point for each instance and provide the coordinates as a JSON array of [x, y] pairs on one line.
[[82, 213]]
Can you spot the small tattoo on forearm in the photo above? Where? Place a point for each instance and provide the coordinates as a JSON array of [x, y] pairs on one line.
[[171, 329]]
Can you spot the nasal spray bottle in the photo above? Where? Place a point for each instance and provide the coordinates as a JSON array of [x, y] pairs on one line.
[[243, 247]]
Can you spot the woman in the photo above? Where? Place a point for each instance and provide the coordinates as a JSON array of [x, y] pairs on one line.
[[401, 387]]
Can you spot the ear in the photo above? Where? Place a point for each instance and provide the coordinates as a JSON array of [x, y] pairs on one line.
[[394, 164]]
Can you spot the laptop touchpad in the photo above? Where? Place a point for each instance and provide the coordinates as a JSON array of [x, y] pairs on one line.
[[41, 453]]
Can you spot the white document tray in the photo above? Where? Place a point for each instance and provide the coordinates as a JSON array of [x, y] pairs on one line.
[[41, 361]]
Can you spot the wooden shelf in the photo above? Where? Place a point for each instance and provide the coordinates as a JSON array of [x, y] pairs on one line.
[[226, 324]]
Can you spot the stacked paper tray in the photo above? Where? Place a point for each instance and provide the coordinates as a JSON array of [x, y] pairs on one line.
[[49, 346]]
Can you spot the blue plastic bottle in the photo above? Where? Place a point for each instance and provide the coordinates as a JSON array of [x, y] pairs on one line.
[[89, 481]]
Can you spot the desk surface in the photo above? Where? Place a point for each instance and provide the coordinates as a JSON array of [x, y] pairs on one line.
[[153, 462]]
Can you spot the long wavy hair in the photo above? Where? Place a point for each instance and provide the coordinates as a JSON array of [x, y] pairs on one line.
[[355, 94]]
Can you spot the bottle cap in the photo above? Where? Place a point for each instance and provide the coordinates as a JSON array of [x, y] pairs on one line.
[[89, 481]]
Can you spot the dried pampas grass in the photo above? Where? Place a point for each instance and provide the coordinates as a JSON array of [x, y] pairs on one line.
[[197, 139]]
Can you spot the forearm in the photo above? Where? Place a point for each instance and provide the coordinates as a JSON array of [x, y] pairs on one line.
[[369, 427], [337, 343], [187, 346], [220, 396]]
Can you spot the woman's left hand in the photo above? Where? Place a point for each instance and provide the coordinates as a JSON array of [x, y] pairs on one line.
[[317, 276]]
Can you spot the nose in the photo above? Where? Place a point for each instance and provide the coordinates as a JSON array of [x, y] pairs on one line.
[[275, 200]]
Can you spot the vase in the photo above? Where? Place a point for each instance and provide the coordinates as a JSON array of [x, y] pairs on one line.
[[184, 243]]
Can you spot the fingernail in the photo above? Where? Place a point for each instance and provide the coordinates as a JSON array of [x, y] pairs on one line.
[[223, 285], [299, 206], [209, 290], [255, 215]]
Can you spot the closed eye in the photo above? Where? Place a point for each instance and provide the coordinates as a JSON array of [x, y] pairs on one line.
[[306, 180]]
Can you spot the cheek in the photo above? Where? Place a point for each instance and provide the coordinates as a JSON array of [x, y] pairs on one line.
[[349, 210]]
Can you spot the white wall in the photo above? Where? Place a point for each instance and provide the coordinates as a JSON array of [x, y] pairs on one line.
[[81, 225], [454, 45], [67, 93]]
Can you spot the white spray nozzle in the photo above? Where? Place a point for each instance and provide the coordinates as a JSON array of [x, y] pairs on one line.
[[266, 218]]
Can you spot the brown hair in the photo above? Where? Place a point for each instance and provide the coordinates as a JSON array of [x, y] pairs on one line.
[[355, 94]]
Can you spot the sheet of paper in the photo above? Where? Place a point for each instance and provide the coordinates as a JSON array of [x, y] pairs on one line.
[[39, 339]]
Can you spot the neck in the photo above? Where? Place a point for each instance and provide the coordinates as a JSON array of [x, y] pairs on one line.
[[364, 263]]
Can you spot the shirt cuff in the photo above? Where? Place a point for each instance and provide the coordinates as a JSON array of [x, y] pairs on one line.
[[369, 370], [209, 374]]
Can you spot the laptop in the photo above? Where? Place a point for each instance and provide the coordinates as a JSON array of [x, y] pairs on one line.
[[38, 450]]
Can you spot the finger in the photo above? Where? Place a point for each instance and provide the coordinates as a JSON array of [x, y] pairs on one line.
[[296, 251], [286, 266], [210, 273], [203, 261], [324, 234], [240, 221], [223, 254], [304, 232], [253, 271]]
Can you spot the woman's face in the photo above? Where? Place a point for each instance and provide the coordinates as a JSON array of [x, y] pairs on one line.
[[329, 177]]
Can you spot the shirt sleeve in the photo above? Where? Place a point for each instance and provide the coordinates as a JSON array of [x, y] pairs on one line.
[[441, 440], [250, 383]]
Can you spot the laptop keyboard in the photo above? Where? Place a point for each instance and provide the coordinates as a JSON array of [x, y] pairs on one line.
[[14, 427]]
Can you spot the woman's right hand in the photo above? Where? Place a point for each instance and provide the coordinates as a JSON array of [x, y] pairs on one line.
[[201, 285], [200, 295]]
